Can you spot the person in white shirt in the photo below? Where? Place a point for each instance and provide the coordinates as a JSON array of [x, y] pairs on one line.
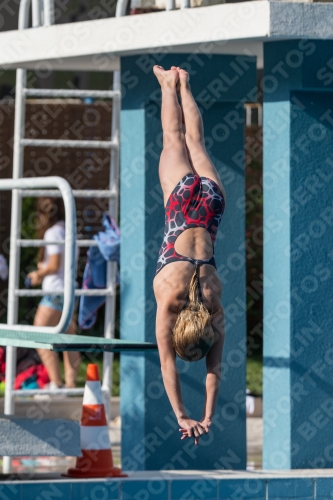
[[50, 274]]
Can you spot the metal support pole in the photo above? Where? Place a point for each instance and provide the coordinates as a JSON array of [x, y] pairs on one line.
[[41, 12], [48, 12], [248, 115], [121, 8], [260, 115], [36, 14], [110, 302], [170, 5], [185, 4], [14, 255], [23, 20]]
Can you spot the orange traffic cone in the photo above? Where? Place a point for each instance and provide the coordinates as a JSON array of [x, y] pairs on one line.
[[95, 442]]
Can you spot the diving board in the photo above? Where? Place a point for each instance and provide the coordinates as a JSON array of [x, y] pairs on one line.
[[64, 342]]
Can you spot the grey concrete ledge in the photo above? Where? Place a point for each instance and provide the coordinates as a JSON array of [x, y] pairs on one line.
[[301, 20], [39, 437], [184, 475]]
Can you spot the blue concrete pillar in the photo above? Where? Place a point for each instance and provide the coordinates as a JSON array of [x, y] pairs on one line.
[[150, 438], [298, 222]]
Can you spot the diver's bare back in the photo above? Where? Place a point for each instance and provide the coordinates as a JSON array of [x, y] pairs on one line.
[[172, 282]]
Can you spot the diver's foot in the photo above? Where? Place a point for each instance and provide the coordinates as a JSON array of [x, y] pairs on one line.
[[184, 79], [178, 82], [166, 78]]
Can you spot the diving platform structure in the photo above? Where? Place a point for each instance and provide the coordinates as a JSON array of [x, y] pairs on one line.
[[222, 47], [236, 28], [62, 342]]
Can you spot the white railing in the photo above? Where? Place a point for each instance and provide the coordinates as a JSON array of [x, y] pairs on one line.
[[69, 265], [42, 13]]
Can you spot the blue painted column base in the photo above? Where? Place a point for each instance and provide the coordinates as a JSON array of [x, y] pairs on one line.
[[161, 486]]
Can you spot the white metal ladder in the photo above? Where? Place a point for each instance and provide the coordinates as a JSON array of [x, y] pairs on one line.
[[45, 15]]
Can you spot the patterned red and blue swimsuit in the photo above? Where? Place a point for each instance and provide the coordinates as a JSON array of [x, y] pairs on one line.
[[195, 202]]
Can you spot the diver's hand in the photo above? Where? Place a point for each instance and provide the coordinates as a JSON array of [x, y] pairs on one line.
[[206, 423], [191, 428]]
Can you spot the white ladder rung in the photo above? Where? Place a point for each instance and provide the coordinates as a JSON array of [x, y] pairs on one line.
[[86, 243], [43, 243], [102, 94], [66, 143], [95, 193], [97, 292], [77, 193], [51, 392]]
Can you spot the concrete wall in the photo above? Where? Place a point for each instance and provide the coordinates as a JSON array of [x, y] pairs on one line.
[[298, 221]]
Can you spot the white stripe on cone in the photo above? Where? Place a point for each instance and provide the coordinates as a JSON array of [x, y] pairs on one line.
[[95, 438], [93, 393]]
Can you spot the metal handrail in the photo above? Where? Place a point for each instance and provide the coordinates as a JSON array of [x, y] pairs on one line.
[[69, 143], [94, 292], [52, 392], [96, 94], [77, 193], [70, 231], [23, 19], [40, 8], [42, 243], [169, 5]]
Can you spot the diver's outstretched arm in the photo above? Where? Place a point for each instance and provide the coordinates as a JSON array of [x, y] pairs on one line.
[[214, 369], [165, 320]]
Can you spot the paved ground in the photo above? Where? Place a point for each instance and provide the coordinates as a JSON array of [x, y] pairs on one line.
[[254, 443]]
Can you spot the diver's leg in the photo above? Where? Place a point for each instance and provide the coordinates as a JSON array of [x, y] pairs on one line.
[[174, 162]]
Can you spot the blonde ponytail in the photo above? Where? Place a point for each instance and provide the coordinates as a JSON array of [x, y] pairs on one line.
[[193, 335]]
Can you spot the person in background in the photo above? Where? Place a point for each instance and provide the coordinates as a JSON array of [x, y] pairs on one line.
[[50, 274]]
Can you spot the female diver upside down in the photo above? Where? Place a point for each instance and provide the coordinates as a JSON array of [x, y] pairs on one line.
[[190, 317]]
